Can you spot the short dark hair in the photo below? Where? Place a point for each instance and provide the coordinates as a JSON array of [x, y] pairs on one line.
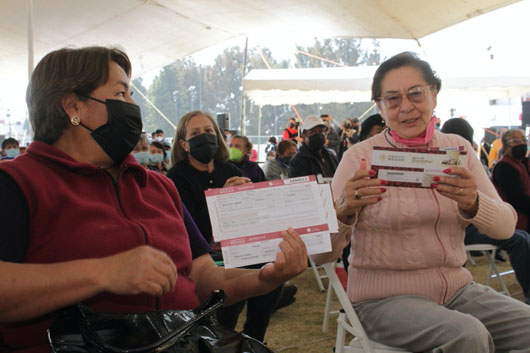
[[65, 71], [400, 60], [368, 123], [10, 141], [460, 127], [272, 139], [159, 131], [161, 146], [285, 145]]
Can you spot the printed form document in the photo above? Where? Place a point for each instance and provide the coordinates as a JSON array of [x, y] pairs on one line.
[[248, 219]]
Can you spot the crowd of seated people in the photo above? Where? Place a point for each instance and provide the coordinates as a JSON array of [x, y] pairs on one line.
[[78, 156]]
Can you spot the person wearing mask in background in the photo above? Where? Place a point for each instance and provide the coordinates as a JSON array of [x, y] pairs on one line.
[[278, 168], [349, 135], [240, 150], [291, 131], [157, 157], [332, 137], [313, 158], [518, 246], [141, 151], [10, 148], [272, 145], [372, 126], [227, 135], [159, 137], [511, 175]]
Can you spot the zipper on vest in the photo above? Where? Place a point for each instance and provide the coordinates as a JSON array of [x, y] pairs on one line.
[[116, 185]]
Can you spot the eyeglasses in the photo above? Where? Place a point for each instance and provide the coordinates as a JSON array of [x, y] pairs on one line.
[[414, 95]]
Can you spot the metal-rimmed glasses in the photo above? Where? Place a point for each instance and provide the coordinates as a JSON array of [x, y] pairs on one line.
[[393, 100]]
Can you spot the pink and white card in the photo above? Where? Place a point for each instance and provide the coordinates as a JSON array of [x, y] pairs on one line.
[[414, 167], [248, 219]]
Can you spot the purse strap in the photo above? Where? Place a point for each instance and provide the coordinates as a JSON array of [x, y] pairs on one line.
[[212, 304]]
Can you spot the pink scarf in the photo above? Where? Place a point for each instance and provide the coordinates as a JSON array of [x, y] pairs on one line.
[[423, 139]]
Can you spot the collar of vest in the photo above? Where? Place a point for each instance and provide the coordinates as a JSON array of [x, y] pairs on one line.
[[41, 150]]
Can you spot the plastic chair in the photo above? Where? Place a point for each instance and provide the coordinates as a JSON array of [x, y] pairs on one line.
[[348, 321], [489, 250], [319, 277]]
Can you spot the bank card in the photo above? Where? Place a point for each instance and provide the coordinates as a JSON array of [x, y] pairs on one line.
[[414, 167]]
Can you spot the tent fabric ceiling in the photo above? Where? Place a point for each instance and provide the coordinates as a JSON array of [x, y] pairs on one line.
[[157, 32], [353, 84]]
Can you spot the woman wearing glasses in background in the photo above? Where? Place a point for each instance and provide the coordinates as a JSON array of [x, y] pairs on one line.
[[406, 279], [511, 175]]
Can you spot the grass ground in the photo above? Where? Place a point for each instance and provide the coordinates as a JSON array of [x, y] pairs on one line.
[[298, 327]]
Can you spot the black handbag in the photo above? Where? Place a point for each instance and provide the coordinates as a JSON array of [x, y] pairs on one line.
[[79, 329]]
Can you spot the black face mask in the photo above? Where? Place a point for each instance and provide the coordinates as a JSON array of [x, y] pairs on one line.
[[519, 151], [292, 126], [203, 147], [347, 126], [285, 160], [121, 133], [316, 142]]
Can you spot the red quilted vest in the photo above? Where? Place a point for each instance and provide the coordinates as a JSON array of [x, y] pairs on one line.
[[78, 211]]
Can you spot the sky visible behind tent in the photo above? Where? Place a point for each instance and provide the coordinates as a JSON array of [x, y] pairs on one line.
[[501, 33]]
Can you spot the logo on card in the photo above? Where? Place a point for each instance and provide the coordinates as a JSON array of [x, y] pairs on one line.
[[382, 157]]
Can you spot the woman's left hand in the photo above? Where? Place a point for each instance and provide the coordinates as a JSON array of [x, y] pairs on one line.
[[462, 187]]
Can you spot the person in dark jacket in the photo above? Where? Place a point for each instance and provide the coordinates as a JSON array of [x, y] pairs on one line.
[[240, 149], [313, 158], [511, 175]]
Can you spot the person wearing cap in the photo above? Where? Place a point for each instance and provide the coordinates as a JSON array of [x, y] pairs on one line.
[[313, 158], [371, 126]]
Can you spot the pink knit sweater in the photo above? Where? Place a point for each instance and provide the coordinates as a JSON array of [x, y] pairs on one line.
[[412, 242]]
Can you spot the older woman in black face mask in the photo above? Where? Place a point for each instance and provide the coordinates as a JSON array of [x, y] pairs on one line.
[[86, 222], [511, 175]]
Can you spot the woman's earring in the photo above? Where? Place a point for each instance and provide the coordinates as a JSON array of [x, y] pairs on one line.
[[75, 120]]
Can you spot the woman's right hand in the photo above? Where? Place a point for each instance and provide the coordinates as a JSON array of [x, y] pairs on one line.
[[140, 270], [358, 192], [236, 180]]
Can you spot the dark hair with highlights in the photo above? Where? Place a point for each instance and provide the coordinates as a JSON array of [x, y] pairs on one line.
[[65, 71], [400, 60]]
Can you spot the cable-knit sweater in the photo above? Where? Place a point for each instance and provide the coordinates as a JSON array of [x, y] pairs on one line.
[[412, 241]]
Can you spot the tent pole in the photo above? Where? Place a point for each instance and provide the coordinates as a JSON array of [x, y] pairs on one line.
[[259, 133], [243, 105], [29, 12]]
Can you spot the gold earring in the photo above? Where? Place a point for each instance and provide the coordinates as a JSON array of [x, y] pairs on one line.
[[75, 120]]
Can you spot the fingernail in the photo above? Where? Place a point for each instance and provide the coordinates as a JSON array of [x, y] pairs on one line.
[[436, 178], [383, 189], [383, 182], [434, 186], [448, 170], [371, 172], [379, 198]]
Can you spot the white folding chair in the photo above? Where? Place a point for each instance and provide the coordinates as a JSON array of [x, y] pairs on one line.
[[489, 250], [349, 322]]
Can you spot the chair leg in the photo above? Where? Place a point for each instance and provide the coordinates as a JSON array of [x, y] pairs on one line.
[[317, 275], [339, 342], [493, 270], [327, 308]]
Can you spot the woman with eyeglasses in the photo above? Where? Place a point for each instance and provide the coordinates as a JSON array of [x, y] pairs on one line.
[[511, 175], [406, 279]]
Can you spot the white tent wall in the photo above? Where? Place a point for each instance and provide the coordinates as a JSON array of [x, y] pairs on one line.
[[466, 89]]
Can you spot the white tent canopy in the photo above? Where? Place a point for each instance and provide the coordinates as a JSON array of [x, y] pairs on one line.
[[352, 84], [157, 32]]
